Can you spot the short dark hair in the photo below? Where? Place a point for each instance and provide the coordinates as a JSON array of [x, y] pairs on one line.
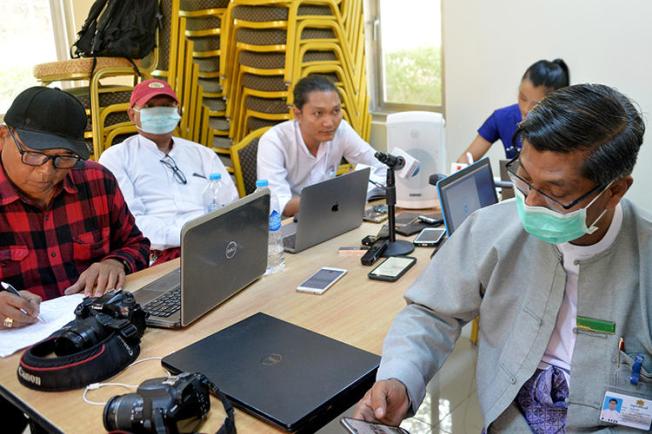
[[614, 400], [311, 83], [588, 117], [550, 74]]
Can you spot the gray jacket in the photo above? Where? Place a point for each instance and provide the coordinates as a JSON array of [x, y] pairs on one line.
[[491, 267]]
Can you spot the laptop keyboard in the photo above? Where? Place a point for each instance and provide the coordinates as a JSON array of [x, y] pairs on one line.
[[165, 305]]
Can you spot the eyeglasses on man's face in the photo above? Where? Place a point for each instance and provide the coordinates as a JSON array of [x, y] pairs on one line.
[[178, 175], [36, 159], [525, 187]]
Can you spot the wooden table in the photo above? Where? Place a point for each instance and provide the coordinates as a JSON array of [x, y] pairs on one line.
[[356, 310]]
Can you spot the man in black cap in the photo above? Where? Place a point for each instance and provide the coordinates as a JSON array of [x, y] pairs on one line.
[[64, 224]]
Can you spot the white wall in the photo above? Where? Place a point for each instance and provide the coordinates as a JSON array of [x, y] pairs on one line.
[[489, 44]]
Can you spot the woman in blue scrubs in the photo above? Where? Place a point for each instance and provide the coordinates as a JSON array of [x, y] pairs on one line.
[[540, 79]]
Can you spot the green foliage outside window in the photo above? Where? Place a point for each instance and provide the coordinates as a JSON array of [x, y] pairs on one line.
[[413, 76]]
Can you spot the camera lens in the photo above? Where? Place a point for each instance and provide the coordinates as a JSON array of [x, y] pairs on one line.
[[120, 412], [82, 335], [68, 343]]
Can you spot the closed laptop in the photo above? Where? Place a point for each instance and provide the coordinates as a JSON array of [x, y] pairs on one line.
[[294, 378]]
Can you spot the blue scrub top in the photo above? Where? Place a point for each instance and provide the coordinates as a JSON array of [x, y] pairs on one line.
[[502, 125]]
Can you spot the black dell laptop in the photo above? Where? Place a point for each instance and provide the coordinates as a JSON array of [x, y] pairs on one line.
[[297, 379]]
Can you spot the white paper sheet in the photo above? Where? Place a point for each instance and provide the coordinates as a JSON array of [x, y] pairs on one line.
[[55, 314]]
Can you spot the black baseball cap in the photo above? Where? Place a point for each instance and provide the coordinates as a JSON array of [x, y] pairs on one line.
[[49, 118]]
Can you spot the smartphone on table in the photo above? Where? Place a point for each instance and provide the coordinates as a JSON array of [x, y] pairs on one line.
[[392, 268], [357, 426], [429, 237], [320, 281]]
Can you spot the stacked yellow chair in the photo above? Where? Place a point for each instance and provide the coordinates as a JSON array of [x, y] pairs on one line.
[[107, 100], [269, 45], [204, 118], [233, 64]]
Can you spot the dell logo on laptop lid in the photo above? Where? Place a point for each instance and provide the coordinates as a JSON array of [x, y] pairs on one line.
[[271, 359], [231, 249]]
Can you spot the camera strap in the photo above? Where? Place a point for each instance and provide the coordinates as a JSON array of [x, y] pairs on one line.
[[228, 427], [40, 371]]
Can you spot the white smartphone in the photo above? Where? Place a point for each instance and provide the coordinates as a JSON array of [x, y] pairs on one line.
[[323, 279], [429, 237], [357, 426]]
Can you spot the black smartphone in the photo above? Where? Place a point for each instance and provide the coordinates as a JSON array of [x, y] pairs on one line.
[[357, 426], [391, 269], [429, 237]]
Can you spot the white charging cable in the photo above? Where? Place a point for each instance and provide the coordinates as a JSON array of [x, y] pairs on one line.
[[96, 386]]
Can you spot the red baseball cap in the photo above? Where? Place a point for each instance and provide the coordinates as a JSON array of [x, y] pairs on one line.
[[148, 89]]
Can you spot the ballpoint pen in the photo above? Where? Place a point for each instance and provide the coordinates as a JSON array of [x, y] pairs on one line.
[[10, 288]]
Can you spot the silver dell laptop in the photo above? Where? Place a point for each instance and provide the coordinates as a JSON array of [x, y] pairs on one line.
[[328, 209], [222, 252]]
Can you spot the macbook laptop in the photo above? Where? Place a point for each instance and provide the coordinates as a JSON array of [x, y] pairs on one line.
[[292, 377], [221, 253], [328, 209], [464, 192]]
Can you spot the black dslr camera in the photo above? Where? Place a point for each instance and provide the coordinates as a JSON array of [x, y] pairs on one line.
[[96, 318], [161, 405]]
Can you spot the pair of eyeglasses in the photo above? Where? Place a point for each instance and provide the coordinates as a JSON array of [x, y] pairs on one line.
[[176, 172], [526, 187], [33, 158]]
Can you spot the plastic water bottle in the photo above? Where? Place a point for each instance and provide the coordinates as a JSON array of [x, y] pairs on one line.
[[213, 193], [275, 256]]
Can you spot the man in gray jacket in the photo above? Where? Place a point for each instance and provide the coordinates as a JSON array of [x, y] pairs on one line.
[[560, 277]]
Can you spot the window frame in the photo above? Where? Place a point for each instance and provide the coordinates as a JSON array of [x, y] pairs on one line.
[[376, 70]]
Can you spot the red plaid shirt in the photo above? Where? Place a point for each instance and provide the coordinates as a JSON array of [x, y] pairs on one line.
[[45, 251]]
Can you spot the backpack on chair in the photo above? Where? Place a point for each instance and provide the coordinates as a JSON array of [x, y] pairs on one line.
[[119, 28]]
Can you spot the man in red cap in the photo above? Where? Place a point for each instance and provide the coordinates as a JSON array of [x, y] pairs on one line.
[[64, 225], [161, 176]]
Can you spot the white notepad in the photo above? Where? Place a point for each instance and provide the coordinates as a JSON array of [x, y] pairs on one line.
[[55, 314]]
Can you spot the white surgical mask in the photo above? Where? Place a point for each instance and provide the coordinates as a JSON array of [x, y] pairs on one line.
[[158, 120]]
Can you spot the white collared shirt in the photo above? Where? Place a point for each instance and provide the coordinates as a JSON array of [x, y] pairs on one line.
[[286, 163], [160, 204], [562, 342]]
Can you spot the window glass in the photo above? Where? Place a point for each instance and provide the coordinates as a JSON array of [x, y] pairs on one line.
[[410, 38], [26, 39]]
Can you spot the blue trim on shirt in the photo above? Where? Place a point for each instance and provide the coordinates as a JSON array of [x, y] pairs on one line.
[[502, 125]]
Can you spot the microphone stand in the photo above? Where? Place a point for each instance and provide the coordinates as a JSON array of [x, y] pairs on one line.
[[395, 247]]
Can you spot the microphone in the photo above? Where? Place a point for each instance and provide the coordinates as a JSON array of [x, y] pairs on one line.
[[403, 163], [396, 163]]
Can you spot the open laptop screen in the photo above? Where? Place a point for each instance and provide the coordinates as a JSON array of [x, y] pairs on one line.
[[466, 191]]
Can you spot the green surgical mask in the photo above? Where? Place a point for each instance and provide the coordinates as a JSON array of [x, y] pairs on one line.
[[551, 226]]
